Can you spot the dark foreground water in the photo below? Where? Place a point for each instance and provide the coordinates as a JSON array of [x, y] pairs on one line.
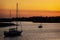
[[50, 31]]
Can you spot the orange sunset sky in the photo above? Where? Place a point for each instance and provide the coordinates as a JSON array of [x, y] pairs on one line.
[[28, 8]]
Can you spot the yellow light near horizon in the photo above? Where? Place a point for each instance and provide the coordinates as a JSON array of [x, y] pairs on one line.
[[41, 5], [30, 8], [31, 4]]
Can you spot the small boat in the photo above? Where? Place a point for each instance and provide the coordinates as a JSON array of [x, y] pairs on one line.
[[13, 32], [40, 26]]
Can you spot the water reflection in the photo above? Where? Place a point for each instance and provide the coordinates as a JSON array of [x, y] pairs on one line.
[[50, 31]]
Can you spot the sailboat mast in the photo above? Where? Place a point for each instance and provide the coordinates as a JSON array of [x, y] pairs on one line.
[[16, 15], [10, 14], [20, 21], [17, 10]]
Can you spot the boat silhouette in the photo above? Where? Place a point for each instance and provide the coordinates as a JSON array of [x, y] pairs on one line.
[[40, 26], [13, 32]]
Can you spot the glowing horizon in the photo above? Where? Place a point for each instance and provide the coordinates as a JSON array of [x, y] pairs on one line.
[[32, 5], [29, 13]]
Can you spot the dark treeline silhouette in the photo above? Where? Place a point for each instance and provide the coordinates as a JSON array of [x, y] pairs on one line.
[[46, 19], [34, 19], [5, 19]]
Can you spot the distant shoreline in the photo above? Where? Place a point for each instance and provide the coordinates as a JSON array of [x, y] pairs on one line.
[[33, 19]]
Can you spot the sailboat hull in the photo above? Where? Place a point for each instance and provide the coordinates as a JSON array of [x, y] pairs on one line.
[[12, 33], [40, 26]]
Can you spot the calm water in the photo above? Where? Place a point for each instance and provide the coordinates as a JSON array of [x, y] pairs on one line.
[[50, 31]]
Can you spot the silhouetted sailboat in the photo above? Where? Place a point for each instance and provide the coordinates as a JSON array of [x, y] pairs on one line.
[[40, 26], [13, 32]]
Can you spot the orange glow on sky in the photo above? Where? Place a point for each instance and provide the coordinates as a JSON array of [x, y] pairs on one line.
[[31, 7]]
